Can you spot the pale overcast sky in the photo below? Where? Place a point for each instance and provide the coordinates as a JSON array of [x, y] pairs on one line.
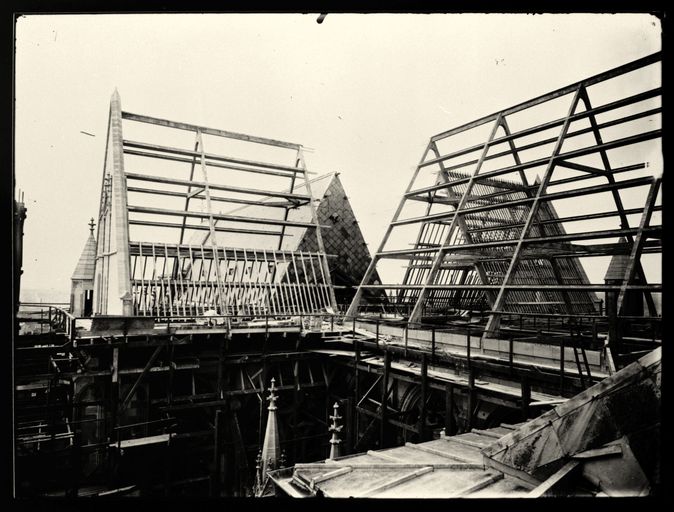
[[364, 91]]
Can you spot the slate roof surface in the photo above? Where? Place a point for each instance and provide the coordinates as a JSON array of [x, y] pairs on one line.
[[619, 416], [86, 265], [448, 467]]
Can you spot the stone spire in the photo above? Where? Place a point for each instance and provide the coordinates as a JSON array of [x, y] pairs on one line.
[[335, 429], [615, 273], [271, 447], [87, 262], [257, 486]]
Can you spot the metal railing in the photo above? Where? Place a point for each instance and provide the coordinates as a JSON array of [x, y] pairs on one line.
[[577, 332], [55, 316]]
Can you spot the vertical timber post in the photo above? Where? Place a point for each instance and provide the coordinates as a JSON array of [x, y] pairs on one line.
[[167, 468], [510, 352], [471, 398], [114, 389], [468, 348], [424, 392], [348, 405], [76, 463], [169, 387], [376, 337], [526, 397], [221, 350], [260, 433], [296, 401], [114, 402], [211, 227], [433, 358], [561, 366], [217, 442], [450, 424], [384, 399], [356, 387]]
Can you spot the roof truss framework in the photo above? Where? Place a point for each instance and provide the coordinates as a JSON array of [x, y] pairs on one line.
[[490, 233], [179, 265]]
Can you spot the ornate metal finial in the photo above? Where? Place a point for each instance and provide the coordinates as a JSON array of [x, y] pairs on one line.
[[272, 397], [258, 461], [335, 416], [91, 225], [282, 459], [257, 485], [335, 429]]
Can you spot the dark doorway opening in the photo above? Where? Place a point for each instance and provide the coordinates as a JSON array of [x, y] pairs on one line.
[[88, 302]]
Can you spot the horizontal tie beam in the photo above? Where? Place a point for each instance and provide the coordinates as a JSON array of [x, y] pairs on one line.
[[221, 217], [209, 131], [216, 186]]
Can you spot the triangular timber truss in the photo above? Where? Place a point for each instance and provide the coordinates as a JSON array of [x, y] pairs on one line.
[[144, 264], [490, 237]]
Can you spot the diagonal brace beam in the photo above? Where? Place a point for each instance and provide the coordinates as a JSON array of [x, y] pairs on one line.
[[584, 97], [149, 364], [494, 318], [352, 312], [440, 254], [638, 244]]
